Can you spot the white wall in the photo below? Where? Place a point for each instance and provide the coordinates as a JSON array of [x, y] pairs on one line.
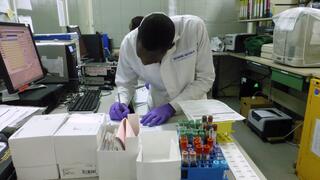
[[79, 14], [44, 16], [113, 16]]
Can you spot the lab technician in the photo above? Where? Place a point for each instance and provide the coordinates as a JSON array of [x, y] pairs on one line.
[[135, 22], [170, 53]]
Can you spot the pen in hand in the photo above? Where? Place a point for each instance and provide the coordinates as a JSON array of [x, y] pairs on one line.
[[121, 109]]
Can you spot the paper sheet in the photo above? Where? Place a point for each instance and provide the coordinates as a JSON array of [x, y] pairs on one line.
[[24, 4], [129, 127], [53, 65], [264, 113], [13, 115], [61, 14], [195, 109], [141, 96], [316, 139], [239, 166], [4, 6], [26, 20]]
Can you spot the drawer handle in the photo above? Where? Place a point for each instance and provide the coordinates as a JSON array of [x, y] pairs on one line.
[[284, 72], [256, 63]]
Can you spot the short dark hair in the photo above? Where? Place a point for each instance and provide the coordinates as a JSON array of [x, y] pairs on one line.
[[135, 22], [156, 31]]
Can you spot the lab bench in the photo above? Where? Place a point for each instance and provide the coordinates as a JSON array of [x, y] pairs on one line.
[[108, 100], [295, 79]]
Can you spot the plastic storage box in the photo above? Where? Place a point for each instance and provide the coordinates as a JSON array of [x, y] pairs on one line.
[[296, 37]]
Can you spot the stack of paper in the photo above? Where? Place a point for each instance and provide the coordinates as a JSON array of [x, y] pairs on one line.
[[141, 96], [141, 101], [129, 127], [266, 51], [15, 116], [195, 109]]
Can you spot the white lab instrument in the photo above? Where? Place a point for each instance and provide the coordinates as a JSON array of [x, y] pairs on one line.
[[296, 37]]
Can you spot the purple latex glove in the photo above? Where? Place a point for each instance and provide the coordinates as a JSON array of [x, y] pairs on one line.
[[158, 115], [118, 111]]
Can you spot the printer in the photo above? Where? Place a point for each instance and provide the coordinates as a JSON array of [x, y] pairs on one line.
[[235, 42], [269, 122]]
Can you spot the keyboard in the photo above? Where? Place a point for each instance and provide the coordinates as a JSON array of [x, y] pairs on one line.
[[88, 102]]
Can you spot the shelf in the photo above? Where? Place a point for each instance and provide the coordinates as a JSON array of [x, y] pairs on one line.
[[256, 20]]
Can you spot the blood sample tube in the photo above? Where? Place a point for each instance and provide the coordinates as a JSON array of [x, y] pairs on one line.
[[210, 143], [209, 128], [202, 134], [192, 124], [206, 152], [215, 127], [215, 131], [198, 124], [190, 135], [199, 152], [204, 122], [183, 143], [185, 159], [196, 141], [210, 119], [193, 159]]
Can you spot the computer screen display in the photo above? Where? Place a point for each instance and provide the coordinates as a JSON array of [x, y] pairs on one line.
[[83, 48], [18, 56]]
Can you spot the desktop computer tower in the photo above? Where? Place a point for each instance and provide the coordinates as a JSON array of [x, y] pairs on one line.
[[60, 61]]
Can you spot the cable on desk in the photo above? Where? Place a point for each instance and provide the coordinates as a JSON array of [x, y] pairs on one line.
[[106, 94]]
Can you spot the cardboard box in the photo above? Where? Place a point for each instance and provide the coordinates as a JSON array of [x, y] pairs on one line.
[[120, 165], [32, 147], [248, 103], [277, 9], [76, 144], [284, 2], [159, 157], [298, 132]]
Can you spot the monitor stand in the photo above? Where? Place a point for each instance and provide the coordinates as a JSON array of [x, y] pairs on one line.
[[42, 97], [6, 97], [36, 86]]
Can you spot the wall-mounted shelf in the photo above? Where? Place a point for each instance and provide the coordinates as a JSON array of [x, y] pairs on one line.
[[255, 20]]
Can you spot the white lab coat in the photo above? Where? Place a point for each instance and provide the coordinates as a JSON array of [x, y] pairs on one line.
[[186, 72]]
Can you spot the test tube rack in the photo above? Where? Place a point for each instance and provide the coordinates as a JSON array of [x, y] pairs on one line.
[[213, 167]]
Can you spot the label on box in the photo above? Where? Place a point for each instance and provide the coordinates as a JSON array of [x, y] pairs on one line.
[[78, 170], [238, 164], [316, 139]]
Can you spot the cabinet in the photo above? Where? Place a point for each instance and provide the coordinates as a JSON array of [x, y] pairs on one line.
[[308, 164]]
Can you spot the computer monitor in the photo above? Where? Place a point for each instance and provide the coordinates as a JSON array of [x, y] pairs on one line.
[[83, 48], [95, 47], [19, 58]]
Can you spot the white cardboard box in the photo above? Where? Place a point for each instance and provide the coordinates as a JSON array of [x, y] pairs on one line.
[[119, 165], [159, 157], [32, 147], [284, 2], [277, 9], [76, 144]]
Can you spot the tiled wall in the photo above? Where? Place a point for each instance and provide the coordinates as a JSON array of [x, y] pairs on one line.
[[113, 16]]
